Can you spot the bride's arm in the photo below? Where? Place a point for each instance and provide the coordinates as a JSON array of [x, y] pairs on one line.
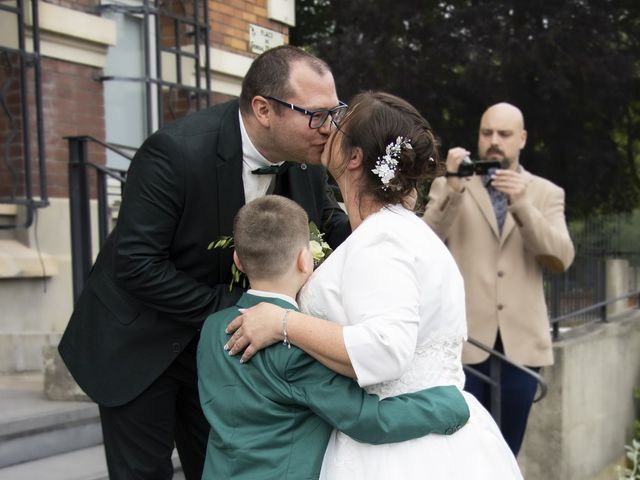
[[381, 303], [263, 325]]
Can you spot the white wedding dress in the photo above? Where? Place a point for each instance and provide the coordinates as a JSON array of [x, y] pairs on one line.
[[399, 294]]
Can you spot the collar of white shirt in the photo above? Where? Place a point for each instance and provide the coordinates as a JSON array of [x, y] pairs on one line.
[[254, 185], [281, 296]]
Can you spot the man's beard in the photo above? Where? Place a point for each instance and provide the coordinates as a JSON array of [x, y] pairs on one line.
[[505, 162]]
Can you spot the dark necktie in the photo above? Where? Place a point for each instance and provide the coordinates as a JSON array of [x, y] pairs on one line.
[[271, 170], [499, 201]]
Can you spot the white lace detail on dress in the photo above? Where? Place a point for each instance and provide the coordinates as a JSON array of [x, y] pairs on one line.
[[436, 362]]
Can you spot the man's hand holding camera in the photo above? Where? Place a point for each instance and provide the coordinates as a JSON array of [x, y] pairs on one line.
[[505, 180], [455, 156], [511, 183]]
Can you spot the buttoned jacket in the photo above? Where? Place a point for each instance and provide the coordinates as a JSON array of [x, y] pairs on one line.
[[503, 273]]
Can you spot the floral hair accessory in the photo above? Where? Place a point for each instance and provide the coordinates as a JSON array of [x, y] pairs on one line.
[[387, 165]]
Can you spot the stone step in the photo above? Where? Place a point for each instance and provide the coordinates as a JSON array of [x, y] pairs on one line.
[[41, 438], [85, 464], [32, 427]]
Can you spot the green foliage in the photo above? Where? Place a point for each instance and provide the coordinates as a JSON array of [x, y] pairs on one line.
[[237, 277], [637, 422], [631, 471], [608, 234], [573, 67]]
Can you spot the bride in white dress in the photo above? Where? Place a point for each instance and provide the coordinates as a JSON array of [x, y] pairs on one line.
[[394, 299]]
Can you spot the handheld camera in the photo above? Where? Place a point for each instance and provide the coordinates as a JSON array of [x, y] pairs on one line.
[[470, 167]]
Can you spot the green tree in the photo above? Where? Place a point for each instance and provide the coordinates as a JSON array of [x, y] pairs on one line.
[[573, 67]]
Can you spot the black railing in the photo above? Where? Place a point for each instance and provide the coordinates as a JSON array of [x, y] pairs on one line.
[[496, 361], [599, 310], [581, 286], [22, 192], [188, 30], [594, 313], [80, 204]]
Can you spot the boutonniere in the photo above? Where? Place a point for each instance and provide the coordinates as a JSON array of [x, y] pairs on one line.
[[320, 250]]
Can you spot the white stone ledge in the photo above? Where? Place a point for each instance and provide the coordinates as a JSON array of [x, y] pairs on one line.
[[19, 261], [8, 209], [65, 34], [227, 69]]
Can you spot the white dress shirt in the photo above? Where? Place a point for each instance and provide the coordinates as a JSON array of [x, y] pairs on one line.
[[254, 185]]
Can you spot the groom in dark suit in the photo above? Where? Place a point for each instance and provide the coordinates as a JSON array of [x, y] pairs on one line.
[[131, 341]]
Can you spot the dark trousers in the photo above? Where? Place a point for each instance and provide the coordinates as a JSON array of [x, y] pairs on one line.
[[518, 391], [139, 436]]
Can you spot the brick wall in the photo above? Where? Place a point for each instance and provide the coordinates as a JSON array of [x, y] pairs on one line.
[[230, 19], [73, 104]]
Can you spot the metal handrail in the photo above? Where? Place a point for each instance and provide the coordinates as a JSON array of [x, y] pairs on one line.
[[109, 146], [498, 358], [539, 380], [493, 379], [79, 204], [595, 306]]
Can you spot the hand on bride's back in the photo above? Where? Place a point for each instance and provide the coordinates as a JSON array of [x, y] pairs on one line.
[[254, 329]]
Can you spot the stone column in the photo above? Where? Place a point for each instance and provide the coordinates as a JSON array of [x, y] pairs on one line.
[[617, 284]]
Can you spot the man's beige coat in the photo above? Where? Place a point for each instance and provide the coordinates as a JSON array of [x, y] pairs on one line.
[[503, 273]]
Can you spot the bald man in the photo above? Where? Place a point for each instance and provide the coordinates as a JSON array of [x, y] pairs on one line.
[[503, 229]]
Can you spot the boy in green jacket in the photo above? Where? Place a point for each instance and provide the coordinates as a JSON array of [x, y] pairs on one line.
[[272, 417]]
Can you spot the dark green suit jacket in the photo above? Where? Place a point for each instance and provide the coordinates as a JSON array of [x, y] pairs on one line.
[[154, 281], [272, 417]]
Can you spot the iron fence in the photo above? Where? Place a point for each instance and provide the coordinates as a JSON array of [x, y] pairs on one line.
[[16, 63]]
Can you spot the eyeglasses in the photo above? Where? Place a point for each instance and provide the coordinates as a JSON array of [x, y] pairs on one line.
[[316, 117]]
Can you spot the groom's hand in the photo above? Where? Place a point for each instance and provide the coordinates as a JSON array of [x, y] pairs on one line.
[[254, 329]]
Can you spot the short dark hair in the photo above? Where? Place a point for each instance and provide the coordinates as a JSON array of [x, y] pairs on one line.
[[268, 233], [269, 73], [376, 119]]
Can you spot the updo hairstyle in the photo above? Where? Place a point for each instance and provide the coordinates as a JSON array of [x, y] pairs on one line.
[[375, 120]]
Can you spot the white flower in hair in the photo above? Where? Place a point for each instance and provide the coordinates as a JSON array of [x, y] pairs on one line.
[[387, 165]]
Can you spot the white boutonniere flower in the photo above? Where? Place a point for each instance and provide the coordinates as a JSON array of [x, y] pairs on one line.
[[320, 249]]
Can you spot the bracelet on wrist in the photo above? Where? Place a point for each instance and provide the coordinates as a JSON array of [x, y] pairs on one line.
[[285, 341]]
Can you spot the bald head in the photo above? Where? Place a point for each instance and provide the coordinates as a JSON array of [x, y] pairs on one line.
[[506, 113], [502, 135]]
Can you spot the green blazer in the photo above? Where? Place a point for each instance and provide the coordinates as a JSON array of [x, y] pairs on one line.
[[271, 418]]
